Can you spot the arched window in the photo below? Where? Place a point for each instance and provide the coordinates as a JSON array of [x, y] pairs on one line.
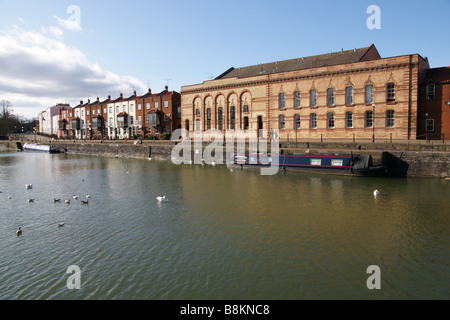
[[349, 95], [297, 121], [330, 120], [233, 118], [282, 122], [369, 94], [390, 118], [282, 103], [208, 119], [313, 97], [369, 119], [390, 92], [246, 123], [330, 96], [198, 125], [349, 120], [220, 118], [313, 119], [297, 99]]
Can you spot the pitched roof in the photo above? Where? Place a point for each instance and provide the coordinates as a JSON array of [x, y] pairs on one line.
[[106, 101], [437, 75], [318, 61]]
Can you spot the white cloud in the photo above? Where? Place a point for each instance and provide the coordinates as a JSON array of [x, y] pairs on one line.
[[38, 71]]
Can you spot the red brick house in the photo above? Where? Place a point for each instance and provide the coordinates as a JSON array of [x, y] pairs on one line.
[[158, 113], [434, 104]]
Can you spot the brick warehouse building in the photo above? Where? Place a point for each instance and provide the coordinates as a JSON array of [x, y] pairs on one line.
[[434, 104], [346, 94]]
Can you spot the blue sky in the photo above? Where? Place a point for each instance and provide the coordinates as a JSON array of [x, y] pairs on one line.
[[50, 55]]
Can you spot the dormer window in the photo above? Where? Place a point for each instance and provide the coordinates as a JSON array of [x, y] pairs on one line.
[[431, 91]]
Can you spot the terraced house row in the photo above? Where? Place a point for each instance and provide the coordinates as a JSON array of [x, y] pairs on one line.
[[149, 115], [340, 95]]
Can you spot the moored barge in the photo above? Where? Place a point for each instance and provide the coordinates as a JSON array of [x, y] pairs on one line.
[[360, 165]]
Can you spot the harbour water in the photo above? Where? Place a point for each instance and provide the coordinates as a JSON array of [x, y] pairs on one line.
[[223, 234]]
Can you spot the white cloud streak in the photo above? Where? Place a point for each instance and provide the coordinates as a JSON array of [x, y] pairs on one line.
[[37, 69]]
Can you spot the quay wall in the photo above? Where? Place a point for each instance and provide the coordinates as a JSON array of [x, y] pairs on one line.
[[431, 161]]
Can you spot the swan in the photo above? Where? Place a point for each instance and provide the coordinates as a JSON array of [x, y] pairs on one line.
[[67, 201], [56, 200], [19, 231], [376, 193], [75, 197], [161, 199], [88, 196], [85, 202]]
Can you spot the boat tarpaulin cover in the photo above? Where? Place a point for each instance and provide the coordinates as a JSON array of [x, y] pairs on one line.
[[362, 162]]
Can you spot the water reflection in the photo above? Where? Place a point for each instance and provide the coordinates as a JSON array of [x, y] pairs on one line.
[[222, 235]]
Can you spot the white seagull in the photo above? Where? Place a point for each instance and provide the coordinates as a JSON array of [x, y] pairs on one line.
[[161, 199]]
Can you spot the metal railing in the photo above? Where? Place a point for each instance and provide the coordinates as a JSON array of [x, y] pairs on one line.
[[428, 136]]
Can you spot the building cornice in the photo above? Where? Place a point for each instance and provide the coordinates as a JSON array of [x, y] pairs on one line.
[[318, 74]]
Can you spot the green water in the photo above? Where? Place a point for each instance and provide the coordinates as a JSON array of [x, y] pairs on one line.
[[222, 235]]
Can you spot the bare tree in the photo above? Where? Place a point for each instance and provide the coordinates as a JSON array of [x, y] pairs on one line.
[[5, 109], [8, 121]]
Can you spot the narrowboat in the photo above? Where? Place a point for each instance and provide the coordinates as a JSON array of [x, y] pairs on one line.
[[360, 165], [39, 147]]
